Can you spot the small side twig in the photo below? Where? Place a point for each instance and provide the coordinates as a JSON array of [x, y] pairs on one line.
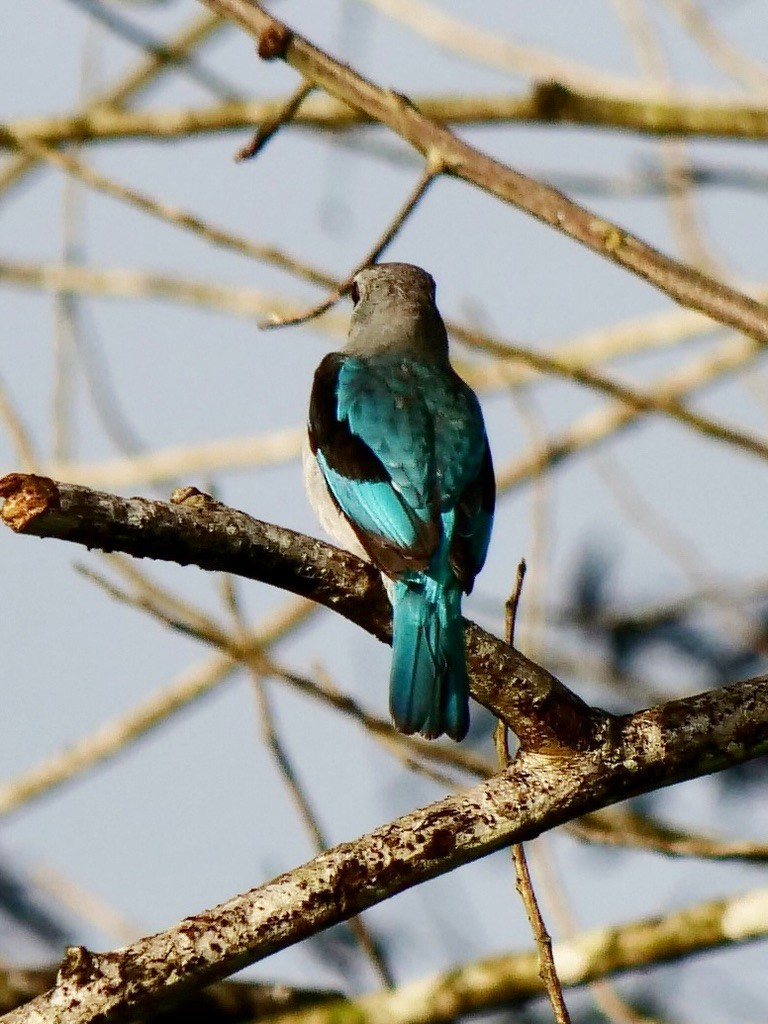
[[432, 170], [270, 127], [523, 883]]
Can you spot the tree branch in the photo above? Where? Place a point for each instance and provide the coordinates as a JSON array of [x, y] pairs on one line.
[[675, 741], [682, 283], [194, 529], [546, 103], [498, 982]]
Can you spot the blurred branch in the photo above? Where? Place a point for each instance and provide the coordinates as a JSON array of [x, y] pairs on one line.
[[17, 430], [620, 826], [625, 338], [599, 424], [155, 48], [674, 153], [546, 103], [185, 461], [675, 741], [742, 67], [177, 613], [284, 764], [178, 48], [141, 284], [118, 734], [642, 401], [171, 213], [492, 50]]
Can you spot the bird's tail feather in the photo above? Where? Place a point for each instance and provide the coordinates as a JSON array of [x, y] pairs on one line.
[[429, 687]]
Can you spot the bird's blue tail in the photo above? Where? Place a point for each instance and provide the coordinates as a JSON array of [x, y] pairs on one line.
[[429, 687]]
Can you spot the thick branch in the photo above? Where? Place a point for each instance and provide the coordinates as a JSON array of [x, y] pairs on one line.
[[676, 741], [682, 283], [193, 529], [498, 982]]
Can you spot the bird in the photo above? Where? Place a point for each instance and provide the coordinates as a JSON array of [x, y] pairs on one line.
[[399, 470]]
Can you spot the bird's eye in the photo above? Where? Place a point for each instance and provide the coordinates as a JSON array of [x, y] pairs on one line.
[[354, 292]]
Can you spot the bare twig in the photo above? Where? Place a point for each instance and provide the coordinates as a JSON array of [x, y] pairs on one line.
[[270, 127], [682, 283], [431, 171], [523, 882]]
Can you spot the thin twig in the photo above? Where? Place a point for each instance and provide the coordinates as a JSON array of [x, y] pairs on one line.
[[513, 602], [284, 763], [270, 127], [433, 169], [523, 883], [172, 214]]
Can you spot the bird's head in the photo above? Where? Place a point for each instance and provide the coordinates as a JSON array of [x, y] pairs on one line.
[[394, 309]]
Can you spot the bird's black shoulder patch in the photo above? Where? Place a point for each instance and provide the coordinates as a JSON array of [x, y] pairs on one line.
[[344, 452]]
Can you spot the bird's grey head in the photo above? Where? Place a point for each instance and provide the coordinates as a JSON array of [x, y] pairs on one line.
[[395, 311]]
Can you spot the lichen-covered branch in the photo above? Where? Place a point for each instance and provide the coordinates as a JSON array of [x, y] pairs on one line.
[[498, 982], [637, 753]]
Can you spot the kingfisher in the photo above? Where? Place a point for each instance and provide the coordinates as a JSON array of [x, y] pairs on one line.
[[399, 471]]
